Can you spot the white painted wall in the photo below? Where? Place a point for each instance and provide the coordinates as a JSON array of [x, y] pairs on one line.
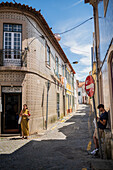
[[75, 92]]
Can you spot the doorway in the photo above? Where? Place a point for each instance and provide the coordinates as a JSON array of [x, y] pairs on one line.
[[64, 104], [12, 103]]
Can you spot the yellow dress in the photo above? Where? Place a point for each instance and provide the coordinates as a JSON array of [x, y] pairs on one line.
[[25, 124]]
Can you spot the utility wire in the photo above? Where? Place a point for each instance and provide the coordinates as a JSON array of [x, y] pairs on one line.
[[43, 36], [31, 22], [74, 49], [75, 26]]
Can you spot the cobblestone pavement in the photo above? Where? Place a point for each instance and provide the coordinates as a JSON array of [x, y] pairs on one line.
[[64, 145]]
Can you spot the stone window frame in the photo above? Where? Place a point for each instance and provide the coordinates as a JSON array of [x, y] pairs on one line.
[[12, 32]]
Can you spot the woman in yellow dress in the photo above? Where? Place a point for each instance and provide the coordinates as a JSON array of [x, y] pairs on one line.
[[24, 122]]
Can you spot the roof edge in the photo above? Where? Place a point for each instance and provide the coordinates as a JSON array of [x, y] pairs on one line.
[[33, 11]]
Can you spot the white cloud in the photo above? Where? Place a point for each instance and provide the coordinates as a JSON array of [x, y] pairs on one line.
[[73, 5], [76, 3], [66, 24], [80, 77], [81, 49], [85, 70], [85, 61], [77, 42], [83, 73]]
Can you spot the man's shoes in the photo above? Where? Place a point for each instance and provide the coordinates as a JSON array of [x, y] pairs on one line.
[[94, 151]]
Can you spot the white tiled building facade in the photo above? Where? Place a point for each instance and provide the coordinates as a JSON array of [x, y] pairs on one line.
[[28, 63]]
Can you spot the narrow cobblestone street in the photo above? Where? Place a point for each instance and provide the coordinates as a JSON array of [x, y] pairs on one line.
[[56, 85], [65, 146]]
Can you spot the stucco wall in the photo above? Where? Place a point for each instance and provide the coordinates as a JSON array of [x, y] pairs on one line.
[[106, 34]]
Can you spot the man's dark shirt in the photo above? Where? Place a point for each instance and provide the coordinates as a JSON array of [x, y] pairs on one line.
[[103, 116]]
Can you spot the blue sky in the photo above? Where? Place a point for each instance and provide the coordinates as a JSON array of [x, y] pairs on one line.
[[65, 14]]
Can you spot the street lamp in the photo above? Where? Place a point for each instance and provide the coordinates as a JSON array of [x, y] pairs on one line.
[[75, 62], [58, 37]]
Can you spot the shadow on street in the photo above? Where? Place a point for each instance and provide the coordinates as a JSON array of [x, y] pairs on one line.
[[69, 153]]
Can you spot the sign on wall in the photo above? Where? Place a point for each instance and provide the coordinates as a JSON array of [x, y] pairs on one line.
[[11, 89]]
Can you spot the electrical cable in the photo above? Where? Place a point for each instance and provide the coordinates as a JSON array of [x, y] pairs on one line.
[[41, 35], [74, 48], [75, 26]]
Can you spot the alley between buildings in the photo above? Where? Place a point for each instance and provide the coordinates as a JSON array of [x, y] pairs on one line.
[[64, 146]]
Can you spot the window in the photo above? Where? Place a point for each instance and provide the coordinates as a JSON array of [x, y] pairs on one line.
[[57, 65], [63, 68], [65, 72], [68, 77], [12, 41], [72, 81], [79, 93], [105, 6], [48, 55]]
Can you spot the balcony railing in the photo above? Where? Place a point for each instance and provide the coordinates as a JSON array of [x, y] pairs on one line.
[[13, 58]]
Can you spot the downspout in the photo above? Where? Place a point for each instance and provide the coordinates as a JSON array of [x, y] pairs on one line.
[[48, 86]]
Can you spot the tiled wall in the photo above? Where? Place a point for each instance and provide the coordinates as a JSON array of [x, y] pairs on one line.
[[34, 85]]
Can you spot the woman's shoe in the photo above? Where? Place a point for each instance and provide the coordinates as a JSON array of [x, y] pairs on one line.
[[94, 151]]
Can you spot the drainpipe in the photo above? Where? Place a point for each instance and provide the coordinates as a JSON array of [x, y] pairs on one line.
[[48, 86]]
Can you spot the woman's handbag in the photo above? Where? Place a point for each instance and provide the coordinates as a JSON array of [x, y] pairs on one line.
[[19, 120]]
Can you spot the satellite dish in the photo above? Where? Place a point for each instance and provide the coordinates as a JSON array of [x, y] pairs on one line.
[[58, 37]]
